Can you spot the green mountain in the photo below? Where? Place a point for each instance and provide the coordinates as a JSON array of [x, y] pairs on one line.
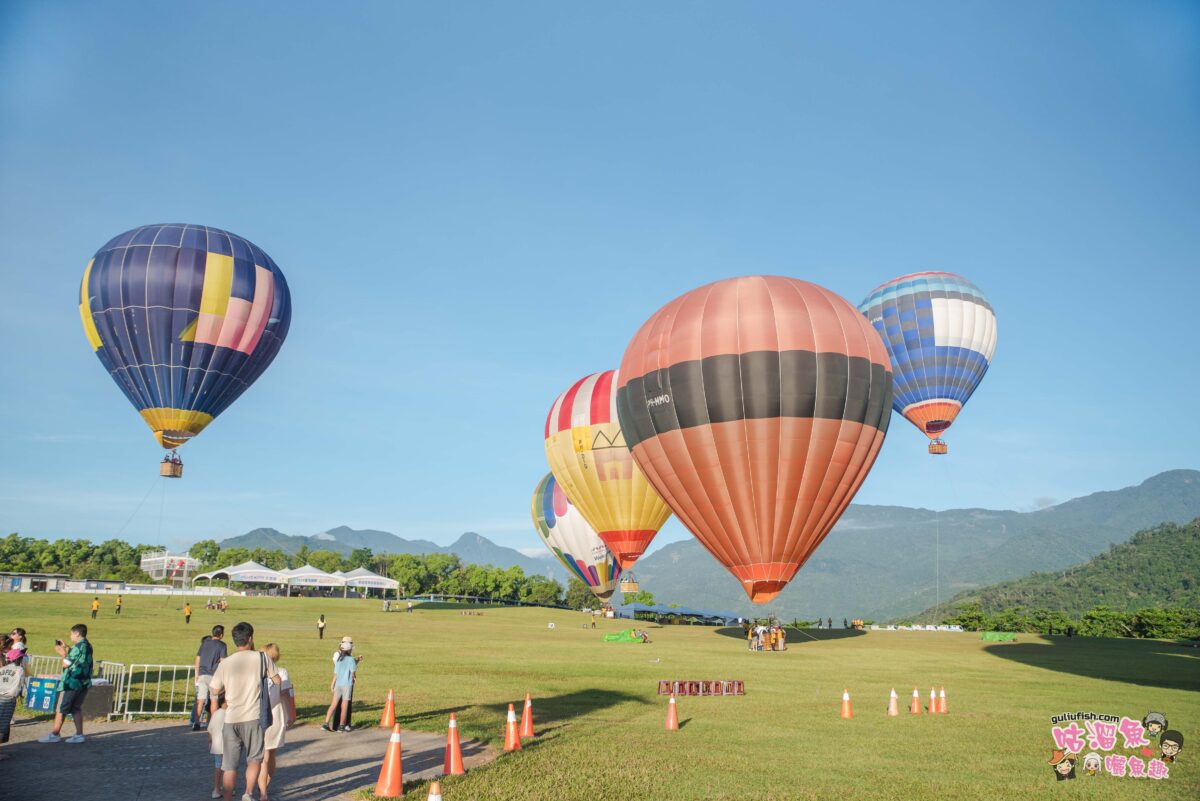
[[1156, 568], [471, 548], [879, 561]]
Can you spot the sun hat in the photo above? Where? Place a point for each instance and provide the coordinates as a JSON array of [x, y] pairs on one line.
[[347, 643]]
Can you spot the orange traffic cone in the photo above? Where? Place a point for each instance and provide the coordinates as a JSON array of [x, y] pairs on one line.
[[389, 712], [915, 708], [512, 740], [942, 701], [527, 718], [454, 763], [893, 711], [847, 712], [932, 701], [435, 791], [672, 715], [391, 775]]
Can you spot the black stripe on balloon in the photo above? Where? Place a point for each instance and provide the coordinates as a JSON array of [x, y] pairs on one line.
[[755, 386]]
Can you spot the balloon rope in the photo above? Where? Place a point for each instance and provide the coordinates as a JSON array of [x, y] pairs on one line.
[[937, 563], [136, 509], [161, 508]]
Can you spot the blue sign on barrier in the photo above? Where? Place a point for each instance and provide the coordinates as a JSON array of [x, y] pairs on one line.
[[41, 694]]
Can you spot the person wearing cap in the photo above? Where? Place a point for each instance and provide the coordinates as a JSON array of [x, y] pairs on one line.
[[1063, 763], [345, 666]]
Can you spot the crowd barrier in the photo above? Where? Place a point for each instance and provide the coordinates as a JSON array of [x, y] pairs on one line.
[[719, 687]]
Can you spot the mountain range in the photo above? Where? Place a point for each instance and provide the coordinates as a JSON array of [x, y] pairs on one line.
[[471, 548], [877, 563]]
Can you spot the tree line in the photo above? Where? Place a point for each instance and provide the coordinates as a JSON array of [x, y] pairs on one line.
[[1167, 623]]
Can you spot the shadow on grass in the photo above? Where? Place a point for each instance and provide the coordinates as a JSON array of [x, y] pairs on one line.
[[1150, 663], [797, 636], [558, 708]]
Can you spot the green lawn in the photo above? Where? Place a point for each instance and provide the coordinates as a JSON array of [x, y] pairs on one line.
[[600, 720]]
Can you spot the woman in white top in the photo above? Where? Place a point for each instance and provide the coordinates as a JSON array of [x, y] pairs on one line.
[[273, 738]]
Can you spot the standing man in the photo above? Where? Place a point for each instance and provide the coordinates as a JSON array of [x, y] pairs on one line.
[[76, 678], [120, 600], [410, 606], [321, 627], [239, 677], [187, 612], [95, 607], [211, 652]]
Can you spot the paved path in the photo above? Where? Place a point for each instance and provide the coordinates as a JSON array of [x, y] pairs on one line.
[[166, 761]]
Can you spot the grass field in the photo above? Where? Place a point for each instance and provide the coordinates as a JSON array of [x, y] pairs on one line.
[[600, 720]]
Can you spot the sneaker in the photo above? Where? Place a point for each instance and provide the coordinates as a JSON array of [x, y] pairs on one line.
[[50, 738], [346, 728], [75, 739], [325, 726], [195, 727], [247, 797], [216, 794]]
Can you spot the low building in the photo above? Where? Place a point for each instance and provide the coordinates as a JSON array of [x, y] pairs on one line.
[[95, 585], [166, 566], [32, 582]]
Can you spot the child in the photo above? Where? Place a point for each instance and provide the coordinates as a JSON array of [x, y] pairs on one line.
[[215, 724]]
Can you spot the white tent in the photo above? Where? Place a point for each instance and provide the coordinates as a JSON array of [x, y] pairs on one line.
[[309, 576], [362, 577], [246, 573]]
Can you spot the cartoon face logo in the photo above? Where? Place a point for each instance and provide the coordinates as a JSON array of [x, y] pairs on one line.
[[1063, 764], [1155, 723], [1171, 743], [1091, 764]]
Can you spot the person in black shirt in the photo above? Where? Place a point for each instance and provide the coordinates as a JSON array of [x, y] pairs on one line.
[[212, 651]]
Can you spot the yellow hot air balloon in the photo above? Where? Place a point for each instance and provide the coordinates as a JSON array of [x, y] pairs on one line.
[[589, 459]]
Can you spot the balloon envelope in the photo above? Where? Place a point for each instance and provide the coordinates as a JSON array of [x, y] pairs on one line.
[[756, 406], [940, 332], [572, 541], [184, 318], [588, 456]]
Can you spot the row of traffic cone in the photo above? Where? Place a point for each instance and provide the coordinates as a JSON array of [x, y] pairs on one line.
[[391, 774], [937, 703]]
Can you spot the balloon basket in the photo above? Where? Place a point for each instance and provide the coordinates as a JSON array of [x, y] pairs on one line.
[[938, 448], [629, 585], [171, 467]]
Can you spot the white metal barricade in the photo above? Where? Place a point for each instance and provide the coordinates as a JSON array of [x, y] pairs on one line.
[[156, 690]]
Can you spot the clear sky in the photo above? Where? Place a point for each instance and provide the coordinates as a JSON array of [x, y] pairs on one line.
[[476, 204]]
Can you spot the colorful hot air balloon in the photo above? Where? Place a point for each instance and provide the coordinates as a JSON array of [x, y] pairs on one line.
[[184, 318], [940, 332], [572, 540], [756, 407], [588, 456]]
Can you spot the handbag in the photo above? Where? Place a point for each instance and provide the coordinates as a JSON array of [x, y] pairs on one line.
[[265, 717]]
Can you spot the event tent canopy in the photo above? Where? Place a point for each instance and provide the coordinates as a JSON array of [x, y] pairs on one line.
[[309, 576], [361, 577], [246, 573], [628, 610]]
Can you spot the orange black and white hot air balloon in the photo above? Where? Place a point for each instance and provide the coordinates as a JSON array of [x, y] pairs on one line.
[[756, 407], [590, 460]]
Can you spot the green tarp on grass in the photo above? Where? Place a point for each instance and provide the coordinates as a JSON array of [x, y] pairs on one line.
[[624, 636], [998, 636]]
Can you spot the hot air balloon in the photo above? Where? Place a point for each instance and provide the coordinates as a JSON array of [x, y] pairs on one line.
[[756, 407], [940, 332], [184, 318], [572, 541], [589, 458]]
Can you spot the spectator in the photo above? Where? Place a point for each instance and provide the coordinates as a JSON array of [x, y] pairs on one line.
[[12, 685], [321, 627], [76, 678], [240, 678], [216, 724], [410, 606], [273, 738], [120, 601], [345, 667], [212, 651], [187, 612], [95, 607], [16, 652]]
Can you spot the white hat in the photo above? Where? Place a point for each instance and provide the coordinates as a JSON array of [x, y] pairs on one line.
[[347, 643]]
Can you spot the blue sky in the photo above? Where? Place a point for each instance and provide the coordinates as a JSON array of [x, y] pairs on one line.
[[477, 203]]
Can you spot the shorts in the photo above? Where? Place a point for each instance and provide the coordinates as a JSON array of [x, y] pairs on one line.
[[241, 741], [70, 702], [217, 759], [203, 693], [343, 693]]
